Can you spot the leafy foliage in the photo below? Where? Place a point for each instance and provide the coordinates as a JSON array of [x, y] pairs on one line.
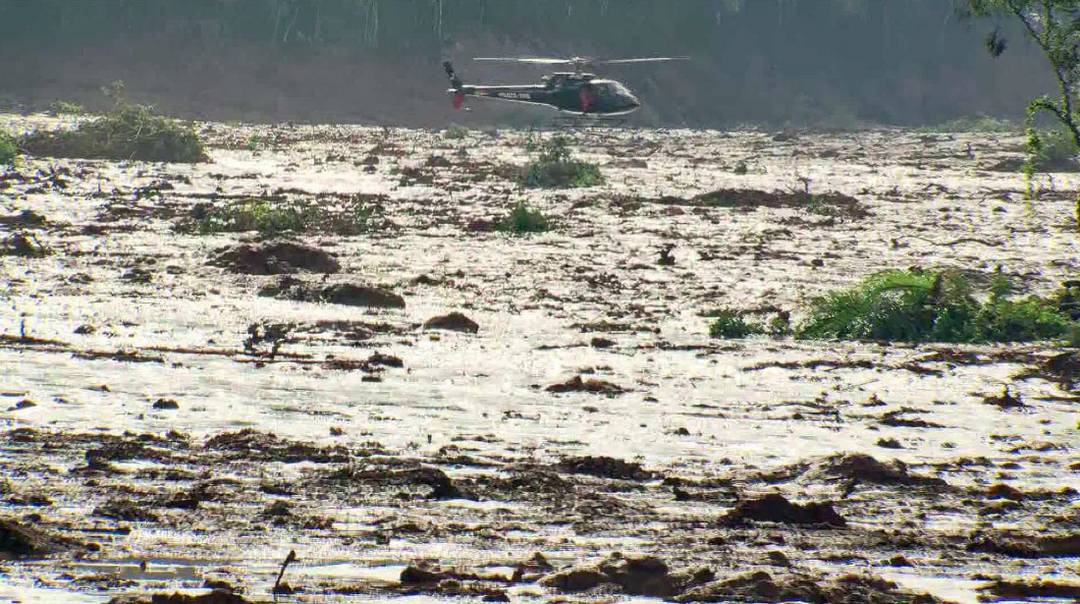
[[66, 108], [976, 124], [732, 325], [557, 168], [7, 148], [927, 306], [128, 132], [523, 219], [271, 218]]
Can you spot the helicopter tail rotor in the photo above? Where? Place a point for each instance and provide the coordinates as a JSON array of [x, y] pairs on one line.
[[456, 85]]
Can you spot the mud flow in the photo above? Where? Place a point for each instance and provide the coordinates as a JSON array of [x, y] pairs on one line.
[[424, 408]]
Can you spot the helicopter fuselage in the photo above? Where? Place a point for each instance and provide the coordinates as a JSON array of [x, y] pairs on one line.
[[580, 94]]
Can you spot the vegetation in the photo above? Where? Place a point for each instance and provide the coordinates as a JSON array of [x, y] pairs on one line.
[[128, 132], [732, 325], [455, 132], [523, 219], [273, 217], [8, 149], [66, 108], [929, 306], [1056, 152], [557, 168], [977, 124]]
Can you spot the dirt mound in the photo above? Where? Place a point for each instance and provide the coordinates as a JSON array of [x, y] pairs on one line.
[[1034, 588], [829, 204], [345, 294], [762, 587], [274, 258], [218, 596], [857, 467], [454, 321], [634, 575], [1062, 368], [578, 384], [776, 508], [1027, 546], [20, 541], [603, 467], [260, 446]]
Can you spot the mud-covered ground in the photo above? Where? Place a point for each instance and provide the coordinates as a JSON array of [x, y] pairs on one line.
[[171, 422]]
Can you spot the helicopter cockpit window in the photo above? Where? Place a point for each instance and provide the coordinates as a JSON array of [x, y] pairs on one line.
[[610, 90]]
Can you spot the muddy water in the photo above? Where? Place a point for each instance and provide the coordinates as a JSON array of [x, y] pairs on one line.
[[126, 311]]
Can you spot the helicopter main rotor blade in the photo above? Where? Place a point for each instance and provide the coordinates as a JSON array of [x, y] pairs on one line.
[[643, 60], [536, 60]]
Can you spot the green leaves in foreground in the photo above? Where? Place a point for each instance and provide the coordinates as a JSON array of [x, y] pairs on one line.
[[928, 306]]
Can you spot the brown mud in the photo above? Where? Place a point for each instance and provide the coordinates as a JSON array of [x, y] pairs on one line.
[[434, 411]]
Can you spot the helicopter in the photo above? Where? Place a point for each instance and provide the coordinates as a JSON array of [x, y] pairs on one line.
[[575, 92]]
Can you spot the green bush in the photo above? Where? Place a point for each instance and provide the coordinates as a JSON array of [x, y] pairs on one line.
[[732, 325], [523, 219], [557, 168], [7, 148], [277, 217], [455, 132], [128, 132], [1056, 152], [66, 108], [928, 306]]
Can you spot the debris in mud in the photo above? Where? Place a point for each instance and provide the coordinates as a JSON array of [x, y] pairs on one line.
[[166, 404], [634, 575], [454, 321], [833, 204], [857, 467], [274, 258], [1006, 401], [1004, 589], [776, 508], [604, 467], [1062, 368], [27, 219], [23, 245], [760, 586], [591, 386], [20, 541], [345, 294], [1027, 546], [442, 487], [261, 446], [126, 510], [217, 596]]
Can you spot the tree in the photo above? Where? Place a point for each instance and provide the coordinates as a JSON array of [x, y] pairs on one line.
[[1054, 26]]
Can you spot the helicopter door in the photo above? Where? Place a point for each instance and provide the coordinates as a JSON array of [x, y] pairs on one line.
[[588, 97]]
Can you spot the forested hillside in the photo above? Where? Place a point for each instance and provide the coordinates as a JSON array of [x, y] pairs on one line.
[[783, 62]]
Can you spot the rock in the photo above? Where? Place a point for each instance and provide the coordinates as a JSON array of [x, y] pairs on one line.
[[1006, 401], [635, 575], [416, 575], [348, 294], [21, 245], [577, 384], [453, 322], [775, 508], [274, 258], [166, 404], [604, 467], [862, 468]]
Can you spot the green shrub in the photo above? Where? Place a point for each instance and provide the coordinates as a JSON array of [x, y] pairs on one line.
[[277, 217], [557, 168], [732, 325], [927, 306], [455, 132], [7, 148], [523, 219], [1056, 152], [66, 108], [976, 124], [128, 132]]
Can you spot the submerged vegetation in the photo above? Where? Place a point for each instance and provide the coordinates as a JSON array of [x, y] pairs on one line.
[[924, 306], [556, 168], [128, 132], [523, 219], [273, 217]]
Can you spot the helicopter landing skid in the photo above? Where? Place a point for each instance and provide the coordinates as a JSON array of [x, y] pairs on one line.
[[589, 121]]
